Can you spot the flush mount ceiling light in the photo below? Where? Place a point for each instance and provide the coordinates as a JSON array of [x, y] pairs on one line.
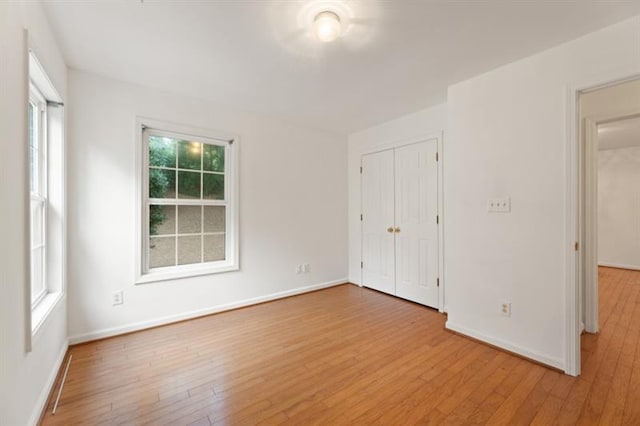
[[324, 21], [327, 26]]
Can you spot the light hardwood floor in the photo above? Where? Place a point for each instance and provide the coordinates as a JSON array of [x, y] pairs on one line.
[[348, 355]]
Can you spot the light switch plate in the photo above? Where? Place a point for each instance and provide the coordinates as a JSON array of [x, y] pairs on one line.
[[499, 205]]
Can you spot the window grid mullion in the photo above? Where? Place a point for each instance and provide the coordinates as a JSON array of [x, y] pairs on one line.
[[175, 256], [186, 170], [202, 234], [176, 239], [189, 234], [186, 202], [201, 205]]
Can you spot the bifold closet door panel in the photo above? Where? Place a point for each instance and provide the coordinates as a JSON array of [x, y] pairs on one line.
[[378, 257], [416, 233]]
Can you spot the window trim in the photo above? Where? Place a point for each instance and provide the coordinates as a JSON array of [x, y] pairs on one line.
[[231, 263]]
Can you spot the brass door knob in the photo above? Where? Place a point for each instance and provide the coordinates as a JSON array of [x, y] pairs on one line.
[[397, 230], [390, 229]]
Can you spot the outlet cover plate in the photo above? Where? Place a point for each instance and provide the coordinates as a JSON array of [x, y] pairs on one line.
[[505, 308], [118, 298]]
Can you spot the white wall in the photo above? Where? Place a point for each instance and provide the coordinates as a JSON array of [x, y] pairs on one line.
[[293, 206], [619, 207], [506, 136], [25, 378], [426, 122]]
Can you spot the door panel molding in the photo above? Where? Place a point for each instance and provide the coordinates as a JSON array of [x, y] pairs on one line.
[[378, 251], [416, 184]]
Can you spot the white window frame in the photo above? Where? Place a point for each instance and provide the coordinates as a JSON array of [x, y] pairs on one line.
[[144, 126], [39, 196], [51, 193]]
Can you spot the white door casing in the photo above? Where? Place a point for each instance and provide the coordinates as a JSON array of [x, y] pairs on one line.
[[575, 210], [416, 193], [378, 256]]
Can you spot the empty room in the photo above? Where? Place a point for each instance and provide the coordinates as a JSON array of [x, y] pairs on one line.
[[319, 212]]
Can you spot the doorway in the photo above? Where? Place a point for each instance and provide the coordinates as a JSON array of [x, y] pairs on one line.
[[609, 189]]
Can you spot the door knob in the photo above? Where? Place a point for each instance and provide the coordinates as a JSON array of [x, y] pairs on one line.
[[397, 230], [390, 229]]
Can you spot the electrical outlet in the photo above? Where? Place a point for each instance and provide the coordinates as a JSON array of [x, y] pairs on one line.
[[505, 309], [499, 205], [299, 269], [306, 268], [118, 298]]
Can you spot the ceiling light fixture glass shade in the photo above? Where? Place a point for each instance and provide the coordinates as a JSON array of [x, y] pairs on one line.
[[327, 26]]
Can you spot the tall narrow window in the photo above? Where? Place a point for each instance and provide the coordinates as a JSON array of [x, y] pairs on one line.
[[46, 154], [188, 204], [38, 189]]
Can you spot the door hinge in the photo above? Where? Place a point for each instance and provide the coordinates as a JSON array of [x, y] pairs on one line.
[[437, 219], [361, 265], [576, 246], [360, 217], [438, 282], [360, 169], [436, 156]]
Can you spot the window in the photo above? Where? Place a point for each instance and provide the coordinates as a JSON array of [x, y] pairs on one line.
[[45, 134], [188, 203], [38, 189]]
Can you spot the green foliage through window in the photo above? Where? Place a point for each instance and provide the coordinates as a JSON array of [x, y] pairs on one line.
[[202, 177]]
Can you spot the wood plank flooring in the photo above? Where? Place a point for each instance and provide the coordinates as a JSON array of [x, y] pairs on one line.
[[348, 355]]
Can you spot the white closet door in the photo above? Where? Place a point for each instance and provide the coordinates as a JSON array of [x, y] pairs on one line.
[[378, 270], [416, 194]]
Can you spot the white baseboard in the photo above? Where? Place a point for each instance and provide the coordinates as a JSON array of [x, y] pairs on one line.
[[114, 331], [552, 362], [619, 266], [41, 403]]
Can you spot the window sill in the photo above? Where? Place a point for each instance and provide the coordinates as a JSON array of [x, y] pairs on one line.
[[186, 272], [41, 312]]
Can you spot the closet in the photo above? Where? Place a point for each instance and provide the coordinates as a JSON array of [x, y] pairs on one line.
[[400, 222]]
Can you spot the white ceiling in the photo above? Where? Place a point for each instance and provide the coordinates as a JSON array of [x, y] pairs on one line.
[[397, 56], [619, 134]]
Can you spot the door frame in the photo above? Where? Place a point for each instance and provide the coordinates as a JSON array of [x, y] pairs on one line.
[[438, 136], [575, 210]]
